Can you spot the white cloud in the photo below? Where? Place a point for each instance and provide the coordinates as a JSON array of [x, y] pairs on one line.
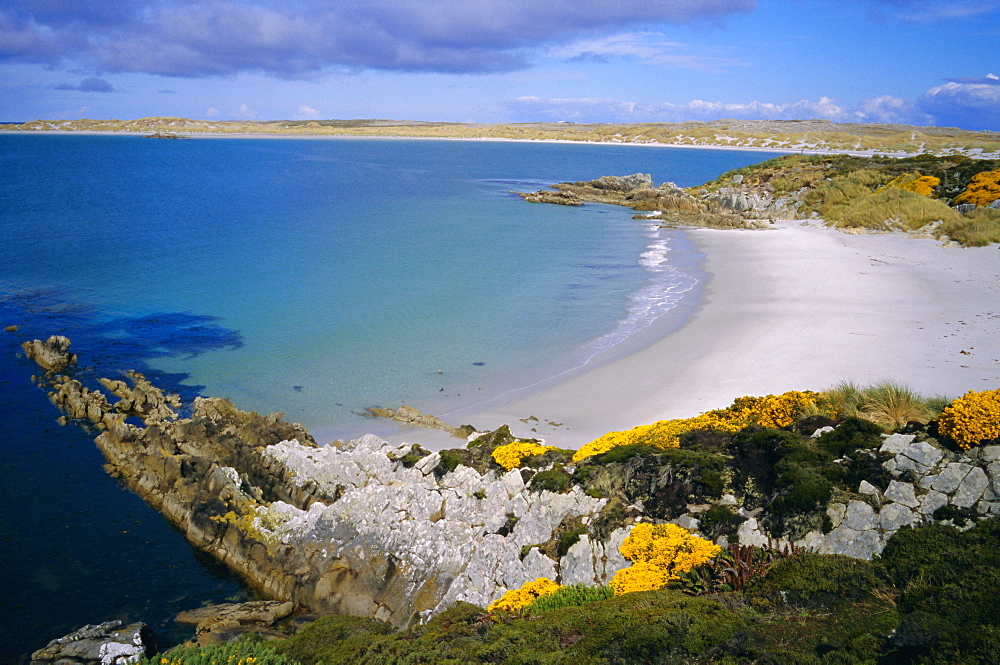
[[966, 103], [880, 109], [246, 113], [651, 48], [305, 112], [211, 112]]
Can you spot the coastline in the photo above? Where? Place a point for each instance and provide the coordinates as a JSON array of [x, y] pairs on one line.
[[808, 150], [800, 307]]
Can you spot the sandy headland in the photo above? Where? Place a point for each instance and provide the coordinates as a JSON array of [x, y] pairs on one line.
[[798, 307]]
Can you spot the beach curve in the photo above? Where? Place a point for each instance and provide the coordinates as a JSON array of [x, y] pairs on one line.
[[798, 307]]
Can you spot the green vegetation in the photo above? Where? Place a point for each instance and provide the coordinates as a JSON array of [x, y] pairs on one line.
[[913, 194], [248, 650], [932, 597], [888, 404]]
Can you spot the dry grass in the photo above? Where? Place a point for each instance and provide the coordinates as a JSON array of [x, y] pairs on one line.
[[888, 404], [975, 229]]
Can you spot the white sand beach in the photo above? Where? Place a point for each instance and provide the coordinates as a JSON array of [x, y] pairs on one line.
[[799, 307]]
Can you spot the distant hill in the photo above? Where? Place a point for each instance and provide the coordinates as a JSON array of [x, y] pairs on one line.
[[782, 135]]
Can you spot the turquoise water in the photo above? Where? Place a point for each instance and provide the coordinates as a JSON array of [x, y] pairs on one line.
[[312, 277]]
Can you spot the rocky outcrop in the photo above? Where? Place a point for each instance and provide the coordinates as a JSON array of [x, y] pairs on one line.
[[400, 533], [52, 355], [223, 623], [360, 528], [928, 485], [108, 643], [732, 207], [413, 417]]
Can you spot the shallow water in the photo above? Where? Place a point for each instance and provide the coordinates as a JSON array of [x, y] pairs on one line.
[[315, 278]]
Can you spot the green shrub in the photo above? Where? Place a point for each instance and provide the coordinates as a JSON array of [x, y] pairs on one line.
[[245, 650], [554, 480], [818, 580], [801, 489], [627, 452], [718, 520], [949, 584], [850, 435], [569, 596]]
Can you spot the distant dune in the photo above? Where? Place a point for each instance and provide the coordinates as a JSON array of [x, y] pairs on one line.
[[779, 135]]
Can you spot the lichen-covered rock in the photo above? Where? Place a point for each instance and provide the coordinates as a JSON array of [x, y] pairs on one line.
[[109, 643], [971, 489], [348, 529]]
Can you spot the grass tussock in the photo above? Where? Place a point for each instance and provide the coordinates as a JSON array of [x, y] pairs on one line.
[[888, 404], [974, 229], [858, 200]]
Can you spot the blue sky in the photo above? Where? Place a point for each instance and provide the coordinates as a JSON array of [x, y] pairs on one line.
[[913, 61]]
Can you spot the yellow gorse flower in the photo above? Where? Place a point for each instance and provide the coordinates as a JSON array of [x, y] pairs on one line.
[[660, 553], [769, 411], [982, 190], [972, 419], [510, 455], [911, 182], [516, 599]]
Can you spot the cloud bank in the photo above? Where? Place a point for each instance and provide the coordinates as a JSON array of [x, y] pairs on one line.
[[290, 38], [880, 109]]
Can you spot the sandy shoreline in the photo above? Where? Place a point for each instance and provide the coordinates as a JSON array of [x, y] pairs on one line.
[[807, 150], [800, 307]]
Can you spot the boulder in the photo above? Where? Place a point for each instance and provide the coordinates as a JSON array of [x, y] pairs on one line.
[[52, 355], [109, 643]]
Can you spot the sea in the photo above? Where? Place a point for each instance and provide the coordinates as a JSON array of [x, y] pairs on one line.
[[312, 277]]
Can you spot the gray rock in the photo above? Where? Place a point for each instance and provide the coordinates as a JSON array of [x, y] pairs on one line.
[[578, 566], [993, 471], [931, 502], [989, 453], [425, 465], [896, 443], [971, 489], [836, 511], [108, 643], [688, 522], [749, 533], [892, 467], [901, 493], [895, 515], [950, 477], [851, 542], [538, 565], [859, 516], [919, 457], [868, 489], [821, 431]]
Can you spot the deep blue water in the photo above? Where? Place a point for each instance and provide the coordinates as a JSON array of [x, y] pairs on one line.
[[313, 277]]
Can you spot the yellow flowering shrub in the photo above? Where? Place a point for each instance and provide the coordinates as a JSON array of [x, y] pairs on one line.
[[769, 411], [921, 184], [516, 599], [660, 553], [982, 190], [510, 455], [972, 418]]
